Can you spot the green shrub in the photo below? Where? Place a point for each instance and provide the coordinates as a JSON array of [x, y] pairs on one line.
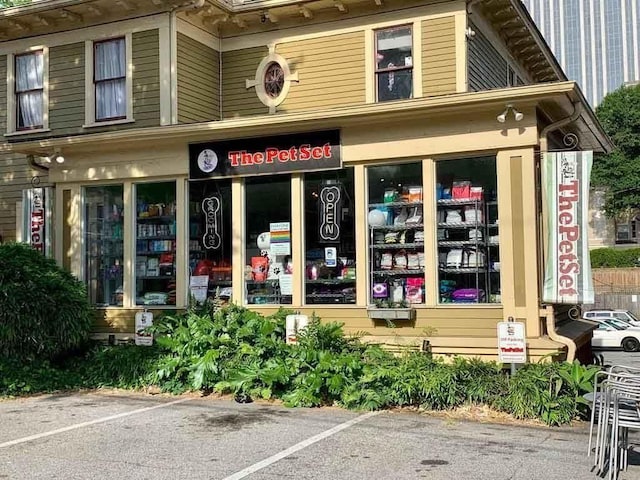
[[234, 350], [44, 311], [615, 257]]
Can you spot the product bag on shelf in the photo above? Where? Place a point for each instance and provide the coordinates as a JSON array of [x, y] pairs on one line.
[[413, 289], [468, 295], [472, 214], [461, 190], [454, 258], [453, 216]]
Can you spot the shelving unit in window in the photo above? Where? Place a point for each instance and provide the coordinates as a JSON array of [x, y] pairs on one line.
[[396, 252], [156, 259], [105, 258], [463, 265]]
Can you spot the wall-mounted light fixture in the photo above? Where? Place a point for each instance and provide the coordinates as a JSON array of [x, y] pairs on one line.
[[516, 114], [56, 156]]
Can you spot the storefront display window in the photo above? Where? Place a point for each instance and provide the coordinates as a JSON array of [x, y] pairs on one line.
[[104, 252], [268, 236], [330, 249], [155, 266], [396, 235], [467, 233], [210, 238]]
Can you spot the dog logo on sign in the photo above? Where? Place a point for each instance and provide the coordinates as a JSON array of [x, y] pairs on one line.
[[330, 197], [213, 217], [207, 160]]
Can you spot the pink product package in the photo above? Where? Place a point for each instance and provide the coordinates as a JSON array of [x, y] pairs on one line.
[[413, 289]]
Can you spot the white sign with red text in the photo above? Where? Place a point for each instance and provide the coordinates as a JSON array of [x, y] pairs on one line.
[[565, 179], [512, 342]]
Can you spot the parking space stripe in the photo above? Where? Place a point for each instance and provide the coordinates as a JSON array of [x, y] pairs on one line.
[[92, 422], [297, 447]]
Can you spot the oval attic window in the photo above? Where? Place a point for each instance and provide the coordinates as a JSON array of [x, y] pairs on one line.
[[274, 80]]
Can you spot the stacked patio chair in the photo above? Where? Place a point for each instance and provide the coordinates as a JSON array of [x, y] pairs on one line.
[[615, 410]]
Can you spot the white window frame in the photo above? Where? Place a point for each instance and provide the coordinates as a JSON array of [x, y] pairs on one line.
[[11, 93], [377, 72], [90, 91]]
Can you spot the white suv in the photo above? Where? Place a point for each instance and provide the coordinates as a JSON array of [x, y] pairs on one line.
[[601, 315]]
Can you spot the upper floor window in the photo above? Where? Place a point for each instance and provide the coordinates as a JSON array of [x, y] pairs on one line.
[[109, 78], [29, 90], [394, 63]]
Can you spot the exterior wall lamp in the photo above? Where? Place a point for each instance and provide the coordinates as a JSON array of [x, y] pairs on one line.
[[516, 114]]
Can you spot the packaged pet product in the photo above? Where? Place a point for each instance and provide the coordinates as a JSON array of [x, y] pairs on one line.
[[386, 261], [468, 295], [453, 216], [400, 260], [397, 291], [380, 290], [446, 193], [443, 234], [259, 268], [454, 258], [461, 190], [413, 289], [413, 261], [415, 217], [401, 219], [438, 191], [415, 194], [475, 234], [475, 259], [418, 236], [391, 237], [420, 259], [390, 195], [477, 193], [472, 214], [378, 237]]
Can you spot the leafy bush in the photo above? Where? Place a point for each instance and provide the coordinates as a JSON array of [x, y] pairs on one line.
[[44, 311], [234, 350], [615, 257]]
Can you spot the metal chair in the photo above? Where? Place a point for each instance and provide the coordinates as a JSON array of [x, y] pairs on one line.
[[614, 410]]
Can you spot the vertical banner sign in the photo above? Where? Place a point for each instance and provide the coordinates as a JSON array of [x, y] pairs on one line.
[[565, 179], [37, 220]]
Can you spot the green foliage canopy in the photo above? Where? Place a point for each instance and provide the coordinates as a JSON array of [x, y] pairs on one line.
[[619, 171]]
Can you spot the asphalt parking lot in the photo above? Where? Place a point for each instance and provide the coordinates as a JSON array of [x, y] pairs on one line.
[[107, 435]]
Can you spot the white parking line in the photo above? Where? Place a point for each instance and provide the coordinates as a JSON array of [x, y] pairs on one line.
[[92, 422], [299, 446]]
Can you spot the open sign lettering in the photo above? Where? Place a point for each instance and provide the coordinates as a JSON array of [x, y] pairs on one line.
[[330, 198]]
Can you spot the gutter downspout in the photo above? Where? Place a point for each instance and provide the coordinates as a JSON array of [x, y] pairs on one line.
[[31, 160], [548, 311], [173, 45]]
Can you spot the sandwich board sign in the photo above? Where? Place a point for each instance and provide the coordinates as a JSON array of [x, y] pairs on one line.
[[512, 342]]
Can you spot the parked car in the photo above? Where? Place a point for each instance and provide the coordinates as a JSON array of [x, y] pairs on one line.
[[624, 315], [610, 334]]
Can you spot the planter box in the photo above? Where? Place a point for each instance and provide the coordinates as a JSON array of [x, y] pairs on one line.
[[391, 313]]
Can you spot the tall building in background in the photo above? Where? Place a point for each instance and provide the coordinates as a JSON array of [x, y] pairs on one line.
[[597, 42]]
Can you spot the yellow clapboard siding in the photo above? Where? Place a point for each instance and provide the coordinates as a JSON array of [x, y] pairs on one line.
[[438, 56]]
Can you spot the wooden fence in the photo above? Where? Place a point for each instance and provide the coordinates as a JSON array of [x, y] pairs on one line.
[[617, 288], [616, 280]]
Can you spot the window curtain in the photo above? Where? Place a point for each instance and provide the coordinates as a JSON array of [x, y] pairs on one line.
[[110, 79], [29, 75]]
